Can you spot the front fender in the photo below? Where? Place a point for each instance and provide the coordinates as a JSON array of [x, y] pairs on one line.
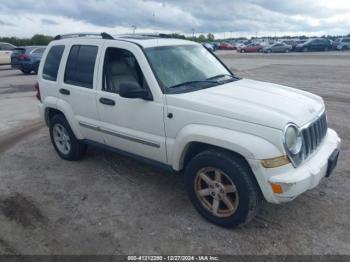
[[247, 145]]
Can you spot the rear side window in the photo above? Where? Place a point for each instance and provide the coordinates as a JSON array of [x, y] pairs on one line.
[[80, 65], [18, 51], [52, 62]]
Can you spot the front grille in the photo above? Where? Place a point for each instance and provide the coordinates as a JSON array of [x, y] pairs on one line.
[[313, 135]]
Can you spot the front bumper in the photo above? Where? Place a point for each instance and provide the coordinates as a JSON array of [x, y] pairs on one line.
[[295, 181]]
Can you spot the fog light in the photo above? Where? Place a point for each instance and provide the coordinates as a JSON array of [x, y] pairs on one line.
[[275, 162], [276, 188]]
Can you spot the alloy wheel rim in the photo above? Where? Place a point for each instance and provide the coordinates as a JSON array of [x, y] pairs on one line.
[[216, 192], [61, 139]]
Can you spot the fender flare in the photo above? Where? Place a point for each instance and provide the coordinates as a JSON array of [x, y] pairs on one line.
[[247, 145], [64, 107]]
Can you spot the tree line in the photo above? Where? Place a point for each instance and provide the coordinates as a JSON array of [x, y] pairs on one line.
[[35, 40], [39, 39]]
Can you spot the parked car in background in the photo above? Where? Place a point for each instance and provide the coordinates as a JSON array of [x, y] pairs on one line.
[[215, 45], [27, 58], [226, 46], [318, 44], [292, 43], [343, 44], [277, 48], [5, 53], [209, 47], [250, 48]]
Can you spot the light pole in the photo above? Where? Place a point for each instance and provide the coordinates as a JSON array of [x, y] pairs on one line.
[[133, 29]]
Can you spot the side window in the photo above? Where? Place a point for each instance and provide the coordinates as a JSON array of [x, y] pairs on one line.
[[52, 62], [120, 66], [81, 65]]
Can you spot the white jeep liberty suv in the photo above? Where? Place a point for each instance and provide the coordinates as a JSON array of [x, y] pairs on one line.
[[174, 103]]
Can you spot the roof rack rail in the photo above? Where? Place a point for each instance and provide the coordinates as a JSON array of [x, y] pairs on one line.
[[103, 35]]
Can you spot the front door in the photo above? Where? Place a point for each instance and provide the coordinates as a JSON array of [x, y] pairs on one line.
[[132, 125]]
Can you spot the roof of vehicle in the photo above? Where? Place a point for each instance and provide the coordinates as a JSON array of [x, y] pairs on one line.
[[144, 40], [30, 47], [6, 43]]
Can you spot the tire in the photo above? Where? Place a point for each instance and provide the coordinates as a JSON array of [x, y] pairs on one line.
[[269, 51], [76, 149], [245, 201], [287, 51], [344, 48], [36, 68], [305, 49], [242, 51], [325, 49], [26, 71]]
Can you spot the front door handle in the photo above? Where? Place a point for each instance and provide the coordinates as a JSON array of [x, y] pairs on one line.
[[64, 91], [107, 101]]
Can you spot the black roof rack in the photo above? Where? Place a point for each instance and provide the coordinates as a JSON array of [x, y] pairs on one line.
[[103, 35]]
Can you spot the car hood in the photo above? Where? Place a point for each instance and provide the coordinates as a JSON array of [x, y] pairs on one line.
[[253, 101]]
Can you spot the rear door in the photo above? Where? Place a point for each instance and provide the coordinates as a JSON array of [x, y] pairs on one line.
[[77, 84]]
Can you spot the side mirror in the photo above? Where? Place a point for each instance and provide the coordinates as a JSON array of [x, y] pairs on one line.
[[134, 90]]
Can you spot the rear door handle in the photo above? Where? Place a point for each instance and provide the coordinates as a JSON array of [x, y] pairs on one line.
[[64, 91], [107, 101]]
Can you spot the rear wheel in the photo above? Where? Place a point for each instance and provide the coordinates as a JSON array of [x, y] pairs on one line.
[[63, 139], [222, 188], [242, 50], [305, 49], [344, 47]]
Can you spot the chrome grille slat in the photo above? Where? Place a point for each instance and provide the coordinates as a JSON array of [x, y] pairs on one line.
[[313, 135]]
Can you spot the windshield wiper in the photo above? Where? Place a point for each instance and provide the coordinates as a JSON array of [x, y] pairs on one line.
[[189, 83], [220, 76]]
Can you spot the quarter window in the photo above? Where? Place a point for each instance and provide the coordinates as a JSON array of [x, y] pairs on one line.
[[52, 62], [80, 66]]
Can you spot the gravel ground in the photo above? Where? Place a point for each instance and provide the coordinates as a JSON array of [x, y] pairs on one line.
[[109, 204]]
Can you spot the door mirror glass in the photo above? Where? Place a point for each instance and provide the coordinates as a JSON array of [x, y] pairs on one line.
[[133, 90]]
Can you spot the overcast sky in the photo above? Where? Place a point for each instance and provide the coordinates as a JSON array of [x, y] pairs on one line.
[[23, 18]]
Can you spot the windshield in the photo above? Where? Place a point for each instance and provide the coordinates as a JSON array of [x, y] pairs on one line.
[[186, 67]]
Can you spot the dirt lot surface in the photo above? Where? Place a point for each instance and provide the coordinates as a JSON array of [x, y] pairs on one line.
[[109, 204]]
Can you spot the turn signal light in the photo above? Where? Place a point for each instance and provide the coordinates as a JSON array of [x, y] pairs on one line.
[[275, 162], [276, 188]]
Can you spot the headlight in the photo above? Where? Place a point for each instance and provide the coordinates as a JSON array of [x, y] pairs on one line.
[[292, 139]]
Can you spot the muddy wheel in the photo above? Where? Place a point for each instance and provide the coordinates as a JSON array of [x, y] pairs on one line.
[[222, 188], [63, 139]]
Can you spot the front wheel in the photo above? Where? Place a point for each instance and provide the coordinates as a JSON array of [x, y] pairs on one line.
[[222, 188], [63, 139]]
